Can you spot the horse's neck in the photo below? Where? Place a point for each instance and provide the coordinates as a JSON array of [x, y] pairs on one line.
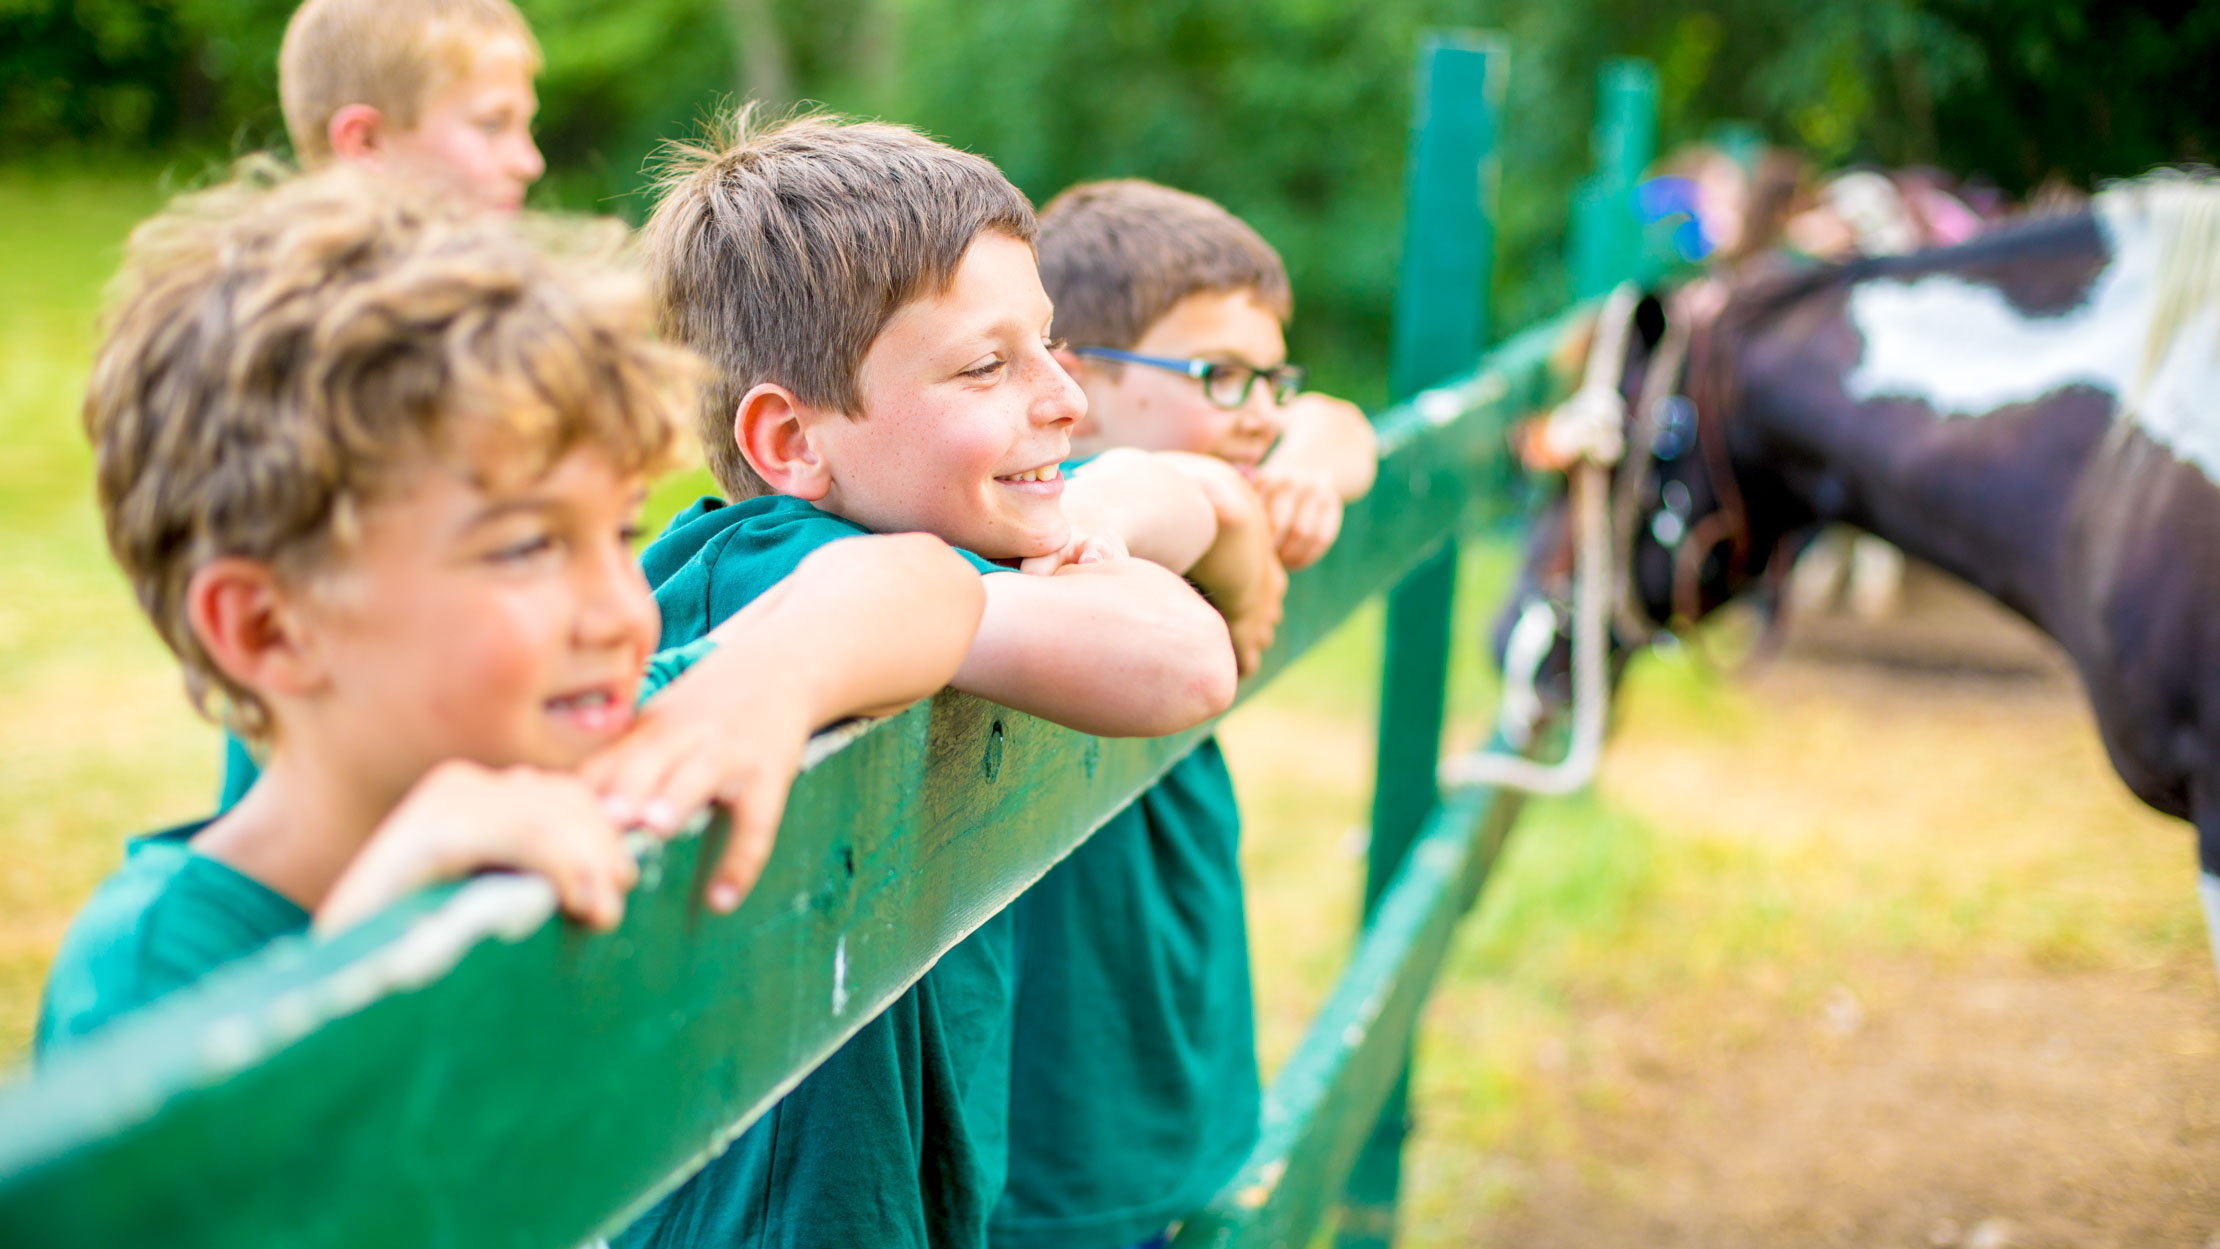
[[1986, 504]]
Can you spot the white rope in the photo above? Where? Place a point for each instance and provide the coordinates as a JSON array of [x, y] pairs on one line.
[[1597, 405]]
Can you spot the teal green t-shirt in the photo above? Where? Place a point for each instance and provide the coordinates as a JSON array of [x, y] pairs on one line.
[[1133, 1089], [897, 1141], [163, 920]]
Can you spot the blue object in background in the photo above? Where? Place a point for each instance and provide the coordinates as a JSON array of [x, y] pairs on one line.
[[1658, 201]]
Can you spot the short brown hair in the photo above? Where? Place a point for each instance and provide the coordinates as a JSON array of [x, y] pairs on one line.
[[779, 250], [390, 54], [1117, 255], [280, 353]]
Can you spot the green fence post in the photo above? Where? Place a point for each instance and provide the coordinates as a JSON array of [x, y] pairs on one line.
[[1604, 246], [1440, 322]]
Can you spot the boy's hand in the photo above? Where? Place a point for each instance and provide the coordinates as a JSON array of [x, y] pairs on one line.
[[1141, 502], [729, 730], [1254, 617], [463, 818], [1091, 542], [1240, 574], [1305, 511]]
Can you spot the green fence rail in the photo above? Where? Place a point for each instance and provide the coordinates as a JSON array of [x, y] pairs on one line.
[[468, 1071]]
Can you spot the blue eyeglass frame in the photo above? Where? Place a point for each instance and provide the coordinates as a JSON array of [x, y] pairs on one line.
[[1287, 376]]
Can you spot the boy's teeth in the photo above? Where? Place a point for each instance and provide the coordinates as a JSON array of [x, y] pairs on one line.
[[590, 698], [1048, 473]]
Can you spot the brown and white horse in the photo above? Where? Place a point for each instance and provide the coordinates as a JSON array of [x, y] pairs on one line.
[[2037, 412]]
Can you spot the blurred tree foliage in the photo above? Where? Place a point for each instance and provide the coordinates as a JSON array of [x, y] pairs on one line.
[[1291, 112]]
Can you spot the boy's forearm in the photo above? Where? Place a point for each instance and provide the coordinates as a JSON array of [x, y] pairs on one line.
[[866, 625], [1331, 438], [1121, 648], [1159, 513]]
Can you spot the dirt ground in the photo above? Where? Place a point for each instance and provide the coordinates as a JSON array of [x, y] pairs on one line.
[[1996, 1027]]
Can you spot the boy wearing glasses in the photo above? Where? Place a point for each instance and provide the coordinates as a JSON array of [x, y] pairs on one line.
[[1134, 1094]]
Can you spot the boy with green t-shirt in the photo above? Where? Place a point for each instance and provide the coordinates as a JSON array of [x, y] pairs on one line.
[[1134, 1093], [869, 301], [371, 466]]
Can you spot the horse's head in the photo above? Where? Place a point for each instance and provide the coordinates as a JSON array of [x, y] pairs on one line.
[[1680, 542]]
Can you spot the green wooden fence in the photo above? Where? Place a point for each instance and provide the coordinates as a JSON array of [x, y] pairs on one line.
[[468, 1071]]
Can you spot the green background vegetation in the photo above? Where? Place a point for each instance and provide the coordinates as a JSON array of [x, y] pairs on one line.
[[1291, 112]]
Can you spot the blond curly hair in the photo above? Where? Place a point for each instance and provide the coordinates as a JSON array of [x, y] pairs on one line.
[[281, 351]]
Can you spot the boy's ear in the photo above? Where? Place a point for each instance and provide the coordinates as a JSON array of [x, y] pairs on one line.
[[250, 625], [357, 132], [776, 433]]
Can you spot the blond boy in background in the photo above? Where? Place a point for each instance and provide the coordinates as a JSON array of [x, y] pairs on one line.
[[1134, 1092], [436, 91]]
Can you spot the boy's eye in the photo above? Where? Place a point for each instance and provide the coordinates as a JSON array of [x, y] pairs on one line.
[[987, 368], [524, 549], [1054, 343]]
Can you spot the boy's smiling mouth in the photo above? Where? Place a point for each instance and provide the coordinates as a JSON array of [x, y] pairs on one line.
[[1046, 479], [597, 710]]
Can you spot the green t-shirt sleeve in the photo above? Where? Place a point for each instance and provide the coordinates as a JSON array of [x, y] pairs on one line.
[[724, 558], [665, 666]]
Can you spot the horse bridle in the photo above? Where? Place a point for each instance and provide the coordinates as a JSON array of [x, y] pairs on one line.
[[1665, 424]]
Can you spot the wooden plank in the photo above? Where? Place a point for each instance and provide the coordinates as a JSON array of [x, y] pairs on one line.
[[464, 1071], [1440, 323], [1318, 1112]]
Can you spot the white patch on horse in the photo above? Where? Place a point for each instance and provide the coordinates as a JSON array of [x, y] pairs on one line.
[[2147, 331]]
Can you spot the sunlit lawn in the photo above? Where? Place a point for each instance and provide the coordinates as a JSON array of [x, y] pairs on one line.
[[98, 744]]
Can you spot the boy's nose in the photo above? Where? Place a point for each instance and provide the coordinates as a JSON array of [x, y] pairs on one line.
[[530, 164], [1062, 402], [1259, 413], [616, 608]]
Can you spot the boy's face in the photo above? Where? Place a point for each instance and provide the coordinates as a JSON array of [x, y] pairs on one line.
[[505, 623], [1137, 405], [963, 407], [474, 135]]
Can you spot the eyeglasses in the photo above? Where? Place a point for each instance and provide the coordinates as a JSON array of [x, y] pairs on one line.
[[1225, 385]]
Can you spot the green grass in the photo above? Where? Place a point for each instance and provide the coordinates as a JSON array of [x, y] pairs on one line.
[[98, 741]]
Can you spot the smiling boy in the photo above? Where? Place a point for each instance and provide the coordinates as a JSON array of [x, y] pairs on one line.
[[1134, 1093], [436, 91], [869, 300], [371, 467]]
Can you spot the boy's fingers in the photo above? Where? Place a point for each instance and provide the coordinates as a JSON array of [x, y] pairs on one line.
[[1042, 565], [636, 770], [687, 788], [756, 809], [564, 837], [1280, 506], [1102, 546]]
